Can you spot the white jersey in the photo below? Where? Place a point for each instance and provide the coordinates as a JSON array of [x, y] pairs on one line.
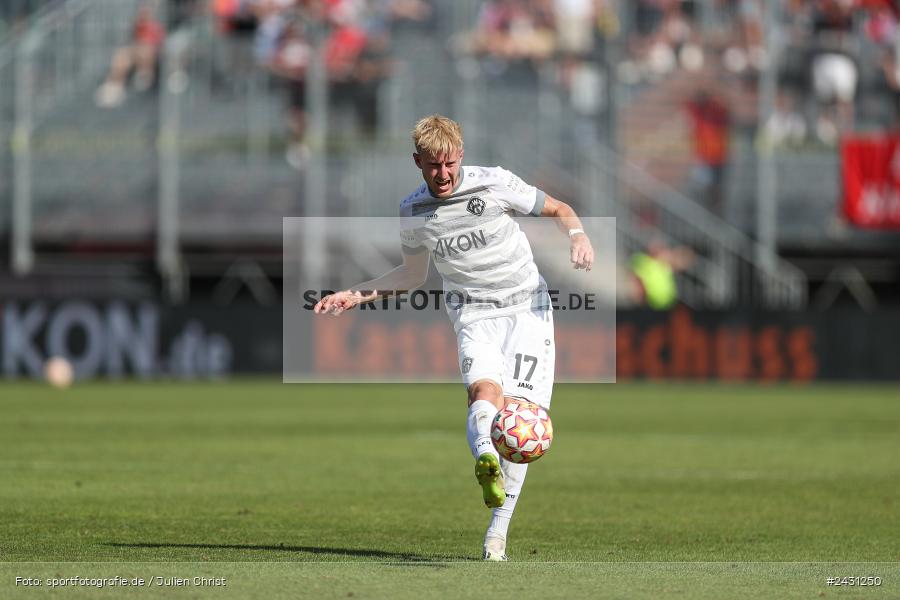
[[478, 248]]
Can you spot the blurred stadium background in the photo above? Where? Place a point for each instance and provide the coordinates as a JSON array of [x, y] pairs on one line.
[[151, 148], [149, 151]]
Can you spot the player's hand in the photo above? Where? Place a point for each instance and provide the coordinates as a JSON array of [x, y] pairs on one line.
[[581, 253], [340, 301]]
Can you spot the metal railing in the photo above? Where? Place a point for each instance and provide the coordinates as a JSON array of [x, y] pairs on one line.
[[64, 52], [173, 84], [726, 270], [7, 115]]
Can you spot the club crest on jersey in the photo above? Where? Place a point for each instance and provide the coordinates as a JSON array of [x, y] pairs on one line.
[[475, 206], [466, 365]]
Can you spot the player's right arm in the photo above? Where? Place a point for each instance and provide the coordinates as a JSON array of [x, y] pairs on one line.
[[408, 276]]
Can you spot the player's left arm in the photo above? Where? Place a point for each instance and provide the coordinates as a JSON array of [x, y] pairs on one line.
[[581, 252]]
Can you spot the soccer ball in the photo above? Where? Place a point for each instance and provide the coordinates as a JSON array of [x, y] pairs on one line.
[[522, 432], [59, 372]]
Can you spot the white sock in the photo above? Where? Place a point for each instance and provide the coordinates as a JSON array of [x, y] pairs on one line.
[[501, 516], [514, 479], [478, 427]]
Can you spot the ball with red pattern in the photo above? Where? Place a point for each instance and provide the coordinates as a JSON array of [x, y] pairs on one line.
[[522, 431]]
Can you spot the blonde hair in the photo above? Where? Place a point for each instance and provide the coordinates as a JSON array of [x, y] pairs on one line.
[[436, 135]]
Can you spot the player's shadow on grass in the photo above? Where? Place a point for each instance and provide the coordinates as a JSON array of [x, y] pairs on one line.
[[354, 552]]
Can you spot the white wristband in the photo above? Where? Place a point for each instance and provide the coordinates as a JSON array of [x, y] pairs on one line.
[[575, 232]]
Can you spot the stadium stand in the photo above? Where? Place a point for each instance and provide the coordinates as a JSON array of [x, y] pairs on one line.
[[228, 131]]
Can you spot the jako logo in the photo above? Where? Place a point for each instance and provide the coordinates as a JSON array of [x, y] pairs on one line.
[[453, 245]]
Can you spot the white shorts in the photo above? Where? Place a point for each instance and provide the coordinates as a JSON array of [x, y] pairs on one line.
[[517, 351]]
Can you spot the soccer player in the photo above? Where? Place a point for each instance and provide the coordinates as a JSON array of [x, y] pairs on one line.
[[496, 299]]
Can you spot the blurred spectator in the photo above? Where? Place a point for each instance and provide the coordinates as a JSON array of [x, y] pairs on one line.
[[664, 39], [372, 68], [710, 125], [881, 23], [357, 55], [233, 16], [514, 30], [575, 26], [355, 49], [834, 72], [882, 28], [281, 45], [272, 22], [890, 66], [289, 58], [786, 126], [654, 274], [140, 57], [750, 30], [835, 79], [575, 40], [343, 48], [236, 24]]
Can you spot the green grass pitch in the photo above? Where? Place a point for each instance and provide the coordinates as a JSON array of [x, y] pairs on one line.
[[366, 491]]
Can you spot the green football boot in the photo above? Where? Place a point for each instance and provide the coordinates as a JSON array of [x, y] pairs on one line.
[[490, 478]]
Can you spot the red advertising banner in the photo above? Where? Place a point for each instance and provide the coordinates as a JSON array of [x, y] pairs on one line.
[[871, 173]]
